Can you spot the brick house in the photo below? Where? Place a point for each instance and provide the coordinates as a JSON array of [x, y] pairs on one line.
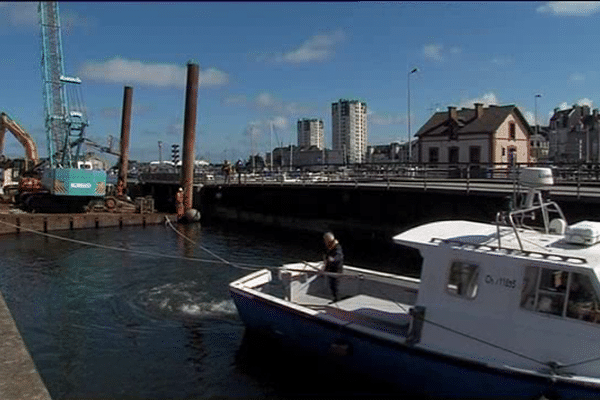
[[481, 135]]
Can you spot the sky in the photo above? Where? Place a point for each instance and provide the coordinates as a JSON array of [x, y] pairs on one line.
[[266, 65]]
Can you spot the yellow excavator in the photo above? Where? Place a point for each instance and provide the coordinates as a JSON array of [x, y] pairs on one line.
[[18, 173]]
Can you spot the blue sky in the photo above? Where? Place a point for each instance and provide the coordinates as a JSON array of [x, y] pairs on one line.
[[263, 63]]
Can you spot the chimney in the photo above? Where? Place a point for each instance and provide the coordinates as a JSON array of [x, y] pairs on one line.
[[478, 110], [452, 113]]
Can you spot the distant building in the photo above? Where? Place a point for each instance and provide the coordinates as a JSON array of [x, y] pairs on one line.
[[573, 135], [349, 129], [303, 157], [492, 135], [311, 133], [539, 146]]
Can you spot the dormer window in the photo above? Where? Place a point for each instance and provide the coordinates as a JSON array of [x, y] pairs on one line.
[[453, 133]]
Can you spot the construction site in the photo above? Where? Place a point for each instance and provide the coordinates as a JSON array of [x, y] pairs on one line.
[[68, 189]]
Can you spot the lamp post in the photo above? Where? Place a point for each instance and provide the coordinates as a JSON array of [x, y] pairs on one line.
[[536, 121], [159, 152], [408, 95]]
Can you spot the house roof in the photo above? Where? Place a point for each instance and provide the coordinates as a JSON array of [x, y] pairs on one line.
[[466, 123]]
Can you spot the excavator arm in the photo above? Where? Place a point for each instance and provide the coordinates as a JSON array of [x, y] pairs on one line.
[[21, 135]]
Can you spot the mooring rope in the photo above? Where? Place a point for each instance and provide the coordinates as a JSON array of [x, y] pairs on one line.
[[221, 259], [121, 249]]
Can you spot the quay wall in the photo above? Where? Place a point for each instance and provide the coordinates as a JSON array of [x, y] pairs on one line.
[[359, 211], [16, 223]]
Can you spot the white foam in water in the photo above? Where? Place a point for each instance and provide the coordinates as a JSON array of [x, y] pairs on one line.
[[185, 299]]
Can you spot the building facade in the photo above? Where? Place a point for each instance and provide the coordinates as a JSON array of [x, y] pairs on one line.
[[311, 133], [349, 129], [494, 135], [573, 135]]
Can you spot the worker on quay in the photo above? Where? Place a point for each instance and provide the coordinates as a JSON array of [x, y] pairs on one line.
[[333, 262], [120, 189], [238, 168], [227, 171], [179, 203]]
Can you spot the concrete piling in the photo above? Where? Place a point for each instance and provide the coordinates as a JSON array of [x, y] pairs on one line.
[[189, 135], [125, 128]]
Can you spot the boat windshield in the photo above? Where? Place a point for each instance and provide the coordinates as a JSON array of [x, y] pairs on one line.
[[562, 293]]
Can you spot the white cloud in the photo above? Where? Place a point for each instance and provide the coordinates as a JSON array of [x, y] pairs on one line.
[[570, 8], [386, 119], [582, 102], [577, 77], [530, 117], [585, 102], [120, 70], [25, 14], [433, 52], [499, 60], [316, 48], [437, 52], [21, 14], [267, 101], [486, 100]]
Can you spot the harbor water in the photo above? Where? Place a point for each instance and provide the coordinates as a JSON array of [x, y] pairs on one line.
[[145, 313]]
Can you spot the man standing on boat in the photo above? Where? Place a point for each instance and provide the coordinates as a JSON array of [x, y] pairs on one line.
[[334, 261]]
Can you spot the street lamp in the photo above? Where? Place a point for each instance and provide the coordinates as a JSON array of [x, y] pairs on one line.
[[408, 95], [159, 152], [536, 121]]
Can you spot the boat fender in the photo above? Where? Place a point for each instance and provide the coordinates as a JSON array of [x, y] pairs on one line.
[[417, 314]]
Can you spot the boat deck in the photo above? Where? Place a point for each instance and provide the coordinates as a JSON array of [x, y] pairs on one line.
[[368, 311]]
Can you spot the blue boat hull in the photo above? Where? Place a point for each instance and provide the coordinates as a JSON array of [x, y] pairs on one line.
[[407, 368]]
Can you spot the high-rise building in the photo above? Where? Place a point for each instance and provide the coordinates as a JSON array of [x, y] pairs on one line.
[[310, 133], [349, 129]]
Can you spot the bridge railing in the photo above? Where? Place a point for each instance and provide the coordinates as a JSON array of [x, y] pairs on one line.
[[427, 174]]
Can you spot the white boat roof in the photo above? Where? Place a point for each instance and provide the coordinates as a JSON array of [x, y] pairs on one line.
[[477, 236]]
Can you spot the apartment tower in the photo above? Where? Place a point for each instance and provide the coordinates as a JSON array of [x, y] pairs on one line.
[[310, 133], [349, 129]]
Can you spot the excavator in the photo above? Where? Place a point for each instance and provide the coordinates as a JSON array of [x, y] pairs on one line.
[[19, 175]]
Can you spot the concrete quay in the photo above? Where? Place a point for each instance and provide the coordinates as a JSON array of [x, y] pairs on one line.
[[19, 378]]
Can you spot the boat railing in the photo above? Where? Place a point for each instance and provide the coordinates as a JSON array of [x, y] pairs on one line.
[[539, 255]]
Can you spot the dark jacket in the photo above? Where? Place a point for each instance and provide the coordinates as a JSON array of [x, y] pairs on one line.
[[334, 259]]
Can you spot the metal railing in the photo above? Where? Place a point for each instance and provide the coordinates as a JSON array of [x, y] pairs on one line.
[[424, 175]]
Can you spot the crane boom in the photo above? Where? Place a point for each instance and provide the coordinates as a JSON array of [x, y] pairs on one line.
[[64, 125], [65, 120]]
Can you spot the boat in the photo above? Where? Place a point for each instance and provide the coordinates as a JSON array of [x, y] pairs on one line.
[[507, 309]]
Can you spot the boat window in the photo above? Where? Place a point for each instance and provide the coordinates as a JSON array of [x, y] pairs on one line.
[[562, 293], [551, 292], [463, 279], [583, 300]]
